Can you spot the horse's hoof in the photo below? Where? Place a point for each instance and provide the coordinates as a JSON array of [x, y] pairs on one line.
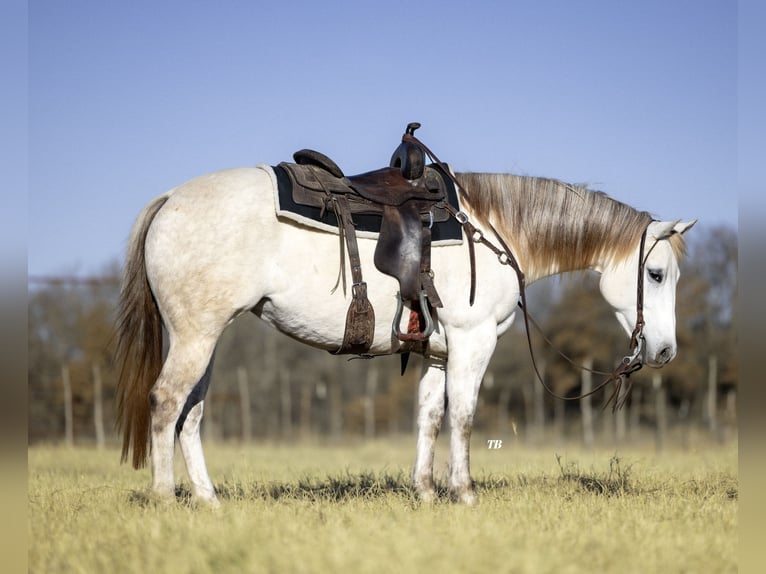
[[208, 502], [427, 496], [464, 496], [469, 499]]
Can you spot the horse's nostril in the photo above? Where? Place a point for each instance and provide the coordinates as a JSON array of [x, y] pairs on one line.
[[665, 355]]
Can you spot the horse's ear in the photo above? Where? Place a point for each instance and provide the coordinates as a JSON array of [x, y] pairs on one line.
[[662, 229], [683, 226]]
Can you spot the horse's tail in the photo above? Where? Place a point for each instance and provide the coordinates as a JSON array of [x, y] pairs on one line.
[[139, 343]]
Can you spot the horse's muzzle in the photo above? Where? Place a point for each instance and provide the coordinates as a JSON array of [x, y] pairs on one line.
[[662, 357]]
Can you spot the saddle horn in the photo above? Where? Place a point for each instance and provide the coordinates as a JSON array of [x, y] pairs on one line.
[[409, 157]]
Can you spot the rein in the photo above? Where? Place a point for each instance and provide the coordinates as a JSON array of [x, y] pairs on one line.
[[627, 366]]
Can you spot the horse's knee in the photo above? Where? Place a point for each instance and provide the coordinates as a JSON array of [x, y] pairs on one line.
[[430, 420], [461, 424]]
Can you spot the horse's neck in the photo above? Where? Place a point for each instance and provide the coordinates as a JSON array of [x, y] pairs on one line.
[[553, 226], [538, 257]]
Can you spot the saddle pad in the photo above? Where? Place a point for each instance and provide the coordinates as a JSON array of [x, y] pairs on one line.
[[442, 233]]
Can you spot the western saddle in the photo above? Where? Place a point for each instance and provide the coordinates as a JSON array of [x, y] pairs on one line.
[[410, 197]]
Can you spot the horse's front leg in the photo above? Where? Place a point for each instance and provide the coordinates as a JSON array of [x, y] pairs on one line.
[[469, 355], [431, 405]]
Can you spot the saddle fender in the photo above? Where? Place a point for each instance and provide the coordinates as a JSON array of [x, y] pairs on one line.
[[400, 247]]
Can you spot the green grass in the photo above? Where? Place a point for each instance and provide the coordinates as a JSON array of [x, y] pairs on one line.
[[310, 508]]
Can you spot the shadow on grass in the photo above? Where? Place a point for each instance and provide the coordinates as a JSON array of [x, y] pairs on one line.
[[345, 487], [367, 485], [618, 481], [615, 482], [333, 488]]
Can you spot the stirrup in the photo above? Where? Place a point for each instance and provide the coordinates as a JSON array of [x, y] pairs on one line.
[[410, 337]]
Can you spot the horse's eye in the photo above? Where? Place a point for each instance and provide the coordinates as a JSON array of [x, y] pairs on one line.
[[655, 275]]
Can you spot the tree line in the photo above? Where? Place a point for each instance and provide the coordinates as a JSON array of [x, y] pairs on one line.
[[266, 385]]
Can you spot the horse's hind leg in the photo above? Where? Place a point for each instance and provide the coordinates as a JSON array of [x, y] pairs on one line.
[[188, 431], [186, 363], [431, 405]]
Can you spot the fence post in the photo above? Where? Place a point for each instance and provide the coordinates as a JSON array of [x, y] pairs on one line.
[[730, 413], [585, 403], [660, 411], [369, 400], [560, 421], [620, 416], [244, 403], [635, 413], [711, 401], [502, 411], [307, 390], [539, 406], [335, 402], [269, 383], [68, 428], [98, 407], [286, 402]]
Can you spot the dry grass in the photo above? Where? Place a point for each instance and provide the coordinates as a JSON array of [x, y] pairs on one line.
[[349, 508]]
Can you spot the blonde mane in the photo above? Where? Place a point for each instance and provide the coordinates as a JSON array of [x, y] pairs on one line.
[[554, 226]]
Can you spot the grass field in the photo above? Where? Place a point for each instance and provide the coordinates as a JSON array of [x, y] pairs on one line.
[[312, 508]]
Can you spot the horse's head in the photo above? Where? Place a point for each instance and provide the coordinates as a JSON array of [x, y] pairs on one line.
[[619, 283]]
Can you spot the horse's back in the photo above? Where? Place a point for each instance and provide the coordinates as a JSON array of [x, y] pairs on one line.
[[223, 193]]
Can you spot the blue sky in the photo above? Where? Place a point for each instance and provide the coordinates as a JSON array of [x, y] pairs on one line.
[[128, 99]]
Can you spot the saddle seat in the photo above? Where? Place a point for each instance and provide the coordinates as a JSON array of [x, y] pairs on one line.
[[385, 186]]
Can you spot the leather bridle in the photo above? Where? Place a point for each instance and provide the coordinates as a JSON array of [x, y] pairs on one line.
[[627, 366]]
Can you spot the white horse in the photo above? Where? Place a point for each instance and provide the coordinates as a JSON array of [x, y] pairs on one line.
[[213, 249]]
